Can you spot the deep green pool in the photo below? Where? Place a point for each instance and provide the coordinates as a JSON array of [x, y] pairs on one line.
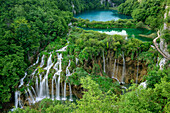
[[129, 32]]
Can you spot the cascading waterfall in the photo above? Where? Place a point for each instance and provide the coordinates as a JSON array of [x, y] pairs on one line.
[[19, 100], [31, 96], [71, 98], [143, 84], [33, 91], [124, 67], [64, 93], [42, 61], [52, 88], [22, 79], [67, 70], [162, 63], [77, 61], [58, 89], [36, 85], [104, 62], [49, 65], [26, 93], [16, 99], [41, 82], [114, 68]]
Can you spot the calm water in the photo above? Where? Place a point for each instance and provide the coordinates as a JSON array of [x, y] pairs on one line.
[[129, 32], [107, 15], [102, 15]]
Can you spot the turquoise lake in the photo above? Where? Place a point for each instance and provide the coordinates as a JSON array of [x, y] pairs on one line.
[[102, 15], [107, 15]]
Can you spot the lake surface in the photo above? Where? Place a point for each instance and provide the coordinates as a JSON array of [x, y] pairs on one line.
[[107, 15], [127, 32], [102, 15]]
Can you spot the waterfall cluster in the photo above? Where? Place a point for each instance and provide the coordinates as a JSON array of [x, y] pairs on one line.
[[41, 86], [116, 69]]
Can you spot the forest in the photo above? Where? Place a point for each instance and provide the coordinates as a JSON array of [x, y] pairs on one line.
[[42, 40]]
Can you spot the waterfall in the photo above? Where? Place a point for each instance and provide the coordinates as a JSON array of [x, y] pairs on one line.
[[137, 72], [33, 91], [22, 80], [19, 99], [67, 70], [58, 73], [31, 96], [64, 94], [124, 67], [16, 99], [52, 88], [27, 97], [41, 89], [114, 68], [117, 69], [58, 89], [162, 63], [77, 61], [42, 61], [104, 62], [71, 98], [34, 72], [49, 65], [62, 49], [37, 86], [143, 84]]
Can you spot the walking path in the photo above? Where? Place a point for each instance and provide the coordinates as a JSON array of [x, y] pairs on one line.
[[154, 42]]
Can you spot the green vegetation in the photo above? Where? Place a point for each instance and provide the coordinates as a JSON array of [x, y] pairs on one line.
[[121, 23], [27, 27], [148, 11]]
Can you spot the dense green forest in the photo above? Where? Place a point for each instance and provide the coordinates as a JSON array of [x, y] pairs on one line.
[[33, 28]]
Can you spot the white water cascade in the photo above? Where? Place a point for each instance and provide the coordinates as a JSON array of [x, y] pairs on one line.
[[104, 62], [58, 89], [71, 97], [77, 61], [124, 67], [117, 69], [31, 96], [41, 81], [42, 61], [52, 88], [49, 65], [64, 93], [162, 63], [22, 79], [16, 99]]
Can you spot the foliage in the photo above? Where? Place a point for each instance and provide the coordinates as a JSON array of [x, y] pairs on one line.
[[148, 11], [154, 76], [121, 23], [146, 100]]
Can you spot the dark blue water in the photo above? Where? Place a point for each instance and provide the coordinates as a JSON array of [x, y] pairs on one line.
[[102, 15]]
